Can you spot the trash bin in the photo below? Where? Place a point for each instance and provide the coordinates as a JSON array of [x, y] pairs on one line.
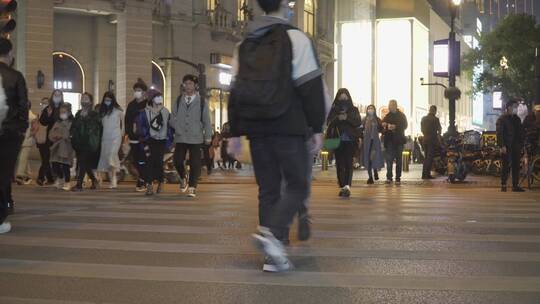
[[406, 157], [324, 160]]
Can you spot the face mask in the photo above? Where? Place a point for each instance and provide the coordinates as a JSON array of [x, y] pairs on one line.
[[371, 112], [64, 116], [514, 111], [108, 102], [289, 10], [158, 101], [57, 100], [393, 110], [138, 95], [43, 106]]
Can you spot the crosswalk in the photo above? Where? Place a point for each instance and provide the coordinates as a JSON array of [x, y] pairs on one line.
[[408, 244]]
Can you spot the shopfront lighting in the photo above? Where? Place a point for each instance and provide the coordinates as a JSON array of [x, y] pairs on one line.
[[456, 2], [225, 78]]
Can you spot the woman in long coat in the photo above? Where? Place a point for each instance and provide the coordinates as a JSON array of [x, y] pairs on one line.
[[111, 141], [373, 157]]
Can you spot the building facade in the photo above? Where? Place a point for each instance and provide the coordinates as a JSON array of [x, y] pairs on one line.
[[100, 45]]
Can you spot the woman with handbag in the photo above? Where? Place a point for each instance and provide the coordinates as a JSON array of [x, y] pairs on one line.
[[344, 124], [49, 116]]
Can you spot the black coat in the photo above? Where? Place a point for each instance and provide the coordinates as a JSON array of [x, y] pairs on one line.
[[132, 111], [350, 126], [395, 137], [16, 121], [431, 128], [510, 132]]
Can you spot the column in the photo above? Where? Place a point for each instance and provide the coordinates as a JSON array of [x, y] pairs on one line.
[[134, 48], [34, 43]]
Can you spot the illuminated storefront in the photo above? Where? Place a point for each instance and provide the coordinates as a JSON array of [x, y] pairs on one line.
[[402, 59]]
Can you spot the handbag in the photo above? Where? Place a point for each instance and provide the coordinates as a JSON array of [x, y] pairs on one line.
[[332, 143], [40, 133]]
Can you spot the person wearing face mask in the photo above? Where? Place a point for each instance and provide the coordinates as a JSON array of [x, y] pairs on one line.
[[431, 128], [86, 141], [394, 126], [62, 152], [510, 137], [156, 137], [45, 176], [112, 121], [14, 106], [344, 122], [134, 108], [373, 157], [48, 117]]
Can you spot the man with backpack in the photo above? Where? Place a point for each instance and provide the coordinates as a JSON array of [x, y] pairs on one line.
[[278, 102], [190, 118]]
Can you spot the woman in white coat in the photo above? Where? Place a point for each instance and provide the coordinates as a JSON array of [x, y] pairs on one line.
[[112, 118]]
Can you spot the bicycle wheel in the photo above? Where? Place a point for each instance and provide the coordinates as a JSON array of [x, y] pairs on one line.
[[535, 169]]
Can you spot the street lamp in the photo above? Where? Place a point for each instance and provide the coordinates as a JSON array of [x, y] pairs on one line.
[[453, 93]]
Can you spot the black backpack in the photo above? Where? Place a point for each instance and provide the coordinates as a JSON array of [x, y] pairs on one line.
[[263, 88]]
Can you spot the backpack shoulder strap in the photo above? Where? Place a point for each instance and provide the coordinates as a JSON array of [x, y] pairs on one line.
[[202, 109]]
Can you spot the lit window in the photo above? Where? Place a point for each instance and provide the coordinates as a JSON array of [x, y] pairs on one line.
[[211, 5], [64, 85], [70, 85], [242, 10], [309, 17]]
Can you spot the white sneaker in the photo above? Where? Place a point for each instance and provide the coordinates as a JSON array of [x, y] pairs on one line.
[[59, 183], [66, 187], [184, 186], [192, 192], [272, 248], [5, 228]]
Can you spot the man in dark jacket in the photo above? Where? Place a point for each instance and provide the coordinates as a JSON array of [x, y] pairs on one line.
[[278, 143], [13, 125], [394, 125], [134, 108], [510, 138], [431, 128]]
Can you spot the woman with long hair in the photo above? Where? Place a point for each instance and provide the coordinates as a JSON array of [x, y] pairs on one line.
[[113, 129], [373, 157], [344, 122], [48, 117]]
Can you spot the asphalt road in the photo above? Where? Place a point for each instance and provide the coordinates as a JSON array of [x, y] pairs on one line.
[[387, 244]]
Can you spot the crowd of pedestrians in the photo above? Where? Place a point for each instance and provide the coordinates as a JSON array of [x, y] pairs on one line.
[[278, 101]]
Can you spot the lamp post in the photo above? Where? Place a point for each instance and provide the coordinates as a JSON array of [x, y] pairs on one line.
[[453, 93], [200, 68]]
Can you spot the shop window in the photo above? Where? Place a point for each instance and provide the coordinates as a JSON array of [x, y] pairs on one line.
[[211, 4]]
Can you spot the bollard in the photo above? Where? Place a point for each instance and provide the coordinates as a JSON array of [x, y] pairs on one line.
[[405, 160], [324, 160]]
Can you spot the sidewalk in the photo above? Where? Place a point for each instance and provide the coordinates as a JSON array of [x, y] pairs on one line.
[[412, 177]]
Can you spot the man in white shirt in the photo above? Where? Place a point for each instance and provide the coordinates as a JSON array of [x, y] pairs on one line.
[[190, 119]]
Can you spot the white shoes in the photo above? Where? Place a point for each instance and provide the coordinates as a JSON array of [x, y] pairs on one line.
[[5, 228], [275, 256], [192, 192], [67, 187]]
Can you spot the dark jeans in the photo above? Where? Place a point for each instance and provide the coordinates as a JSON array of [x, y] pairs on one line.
[[138, 159], [393, 153], [369, 164], [344, 163], [209, 162], [280, 164], [8, 158], [62, 171], [511, 158], [429, 147], [45, 170], [154, 163], [194, 162], [85, 164]]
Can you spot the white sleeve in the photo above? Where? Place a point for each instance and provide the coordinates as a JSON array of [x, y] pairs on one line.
[[305, 63]]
